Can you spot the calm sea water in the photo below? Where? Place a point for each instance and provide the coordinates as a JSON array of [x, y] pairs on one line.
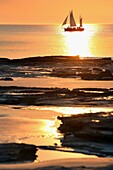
[[18, 41]]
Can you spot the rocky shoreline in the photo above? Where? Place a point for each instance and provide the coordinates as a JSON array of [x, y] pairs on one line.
[[89, 133], [57, 66], [14, 95]]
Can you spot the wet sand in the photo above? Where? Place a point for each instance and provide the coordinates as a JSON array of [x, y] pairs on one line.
[[65, 164], [57, 82]]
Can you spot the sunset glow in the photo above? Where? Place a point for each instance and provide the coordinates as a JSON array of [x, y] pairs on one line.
[[49, 11], [56, 84], [75, 41]]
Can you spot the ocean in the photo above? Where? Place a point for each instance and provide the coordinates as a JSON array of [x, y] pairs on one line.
[[47, 74], [20, 41]]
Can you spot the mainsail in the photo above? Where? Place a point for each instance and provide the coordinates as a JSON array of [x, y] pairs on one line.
[[72, 20]]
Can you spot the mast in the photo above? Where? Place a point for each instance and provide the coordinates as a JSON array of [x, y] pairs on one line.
[[72, 20], [65, 21], [80, 21]]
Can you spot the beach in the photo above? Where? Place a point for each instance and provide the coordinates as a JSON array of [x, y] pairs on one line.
[[68, 164]]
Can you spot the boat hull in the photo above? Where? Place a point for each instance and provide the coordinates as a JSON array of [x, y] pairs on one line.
[[72, 29]]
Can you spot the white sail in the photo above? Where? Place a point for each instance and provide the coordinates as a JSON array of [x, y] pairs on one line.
[[72, 20], [65, 21]]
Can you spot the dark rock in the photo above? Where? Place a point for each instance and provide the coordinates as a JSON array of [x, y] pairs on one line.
[[7, 79], [14, 152], [92, 132], [14, 95], [97, 74]]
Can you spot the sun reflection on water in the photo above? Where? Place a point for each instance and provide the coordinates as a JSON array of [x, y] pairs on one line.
[[50, 127], [75, 110], [80, 43]]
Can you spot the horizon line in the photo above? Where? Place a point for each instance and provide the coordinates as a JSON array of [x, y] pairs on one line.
[[51, 23]]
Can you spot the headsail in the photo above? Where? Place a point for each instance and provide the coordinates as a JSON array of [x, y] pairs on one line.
[[65, 21], [72, 20]]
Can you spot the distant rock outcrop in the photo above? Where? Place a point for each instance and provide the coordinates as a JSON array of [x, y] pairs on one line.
[[58, 66]]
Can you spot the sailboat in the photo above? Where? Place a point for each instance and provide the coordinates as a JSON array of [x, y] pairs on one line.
[[72, 26]]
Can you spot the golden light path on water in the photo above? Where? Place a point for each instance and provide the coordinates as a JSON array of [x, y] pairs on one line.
[[74, 110], [81, 43]]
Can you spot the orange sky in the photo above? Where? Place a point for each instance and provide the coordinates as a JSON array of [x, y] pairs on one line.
[[54, 11]]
